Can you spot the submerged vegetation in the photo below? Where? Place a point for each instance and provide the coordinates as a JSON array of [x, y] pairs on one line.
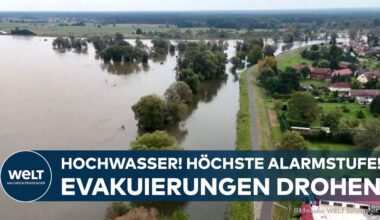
[[25, 32], [116, 49], [68, 43]]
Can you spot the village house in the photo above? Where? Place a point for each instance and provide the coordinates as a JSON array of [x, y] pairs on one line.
[[340, 87], [320, 73], [364, 96], [367, 76], [344, 65], [342, 72], [360, 71], [322, 210]]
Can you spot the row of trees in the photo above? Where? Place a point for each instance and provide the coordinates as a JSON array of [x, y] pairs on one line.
[[328, 56], [199, 62], [68, 43], [154, 112], [116, 49]]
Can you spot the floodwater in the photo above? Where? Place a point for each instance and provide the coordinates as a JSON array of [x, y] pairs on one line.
[[58, 100]]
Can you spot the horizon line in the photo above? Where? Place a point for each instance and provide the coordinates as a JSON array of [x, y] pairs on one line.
[[201, 10]]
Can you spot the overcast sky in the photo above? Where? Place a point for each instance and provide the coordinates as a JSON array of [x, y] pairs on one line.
[[178, 5]]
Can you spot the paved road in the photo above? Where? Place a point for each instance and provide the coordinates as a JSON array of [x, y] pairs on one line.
[[266, 207]]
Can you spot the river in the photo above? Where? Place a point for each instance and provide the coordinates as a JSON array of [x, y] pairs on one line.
[[58, 100]]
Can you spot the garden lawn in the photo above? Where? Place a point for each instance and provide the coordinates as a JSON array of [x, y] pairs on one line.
[[330, 146], [353, 108], [291, 59]]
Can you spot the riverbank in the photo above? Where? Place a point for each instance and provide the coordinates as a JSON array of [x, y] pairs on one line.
[[243, 210]]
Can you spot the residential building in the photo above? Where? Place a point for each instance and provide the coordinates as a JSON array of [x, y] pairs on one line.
[[343, 72], [326, 210], [340, 87], [320, 73], [344, 64], [364, 96], [367, 76], [360, 71]]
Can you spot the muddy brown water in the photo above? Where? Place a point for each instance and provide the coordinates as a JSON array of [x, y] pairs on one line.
[[55, 100], [58, 100]]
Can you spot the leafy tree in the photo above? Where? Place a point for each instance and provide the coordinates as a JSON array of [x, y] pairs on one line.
[[236, 62], [323, 64], [172, 49], [360, 114], [305, 71], [176, 110], [117, 209], [268, 62], [139, 31], [190, 78], [331, 120], [264, 74], [293, 141], [269, 50], [61, 43], [303, 108], [160, 46], [150, 112], [369, 137], [255, 54], [158, 140], [355, 84], [375, 106], [179, 91], [25, 32], [348, 124], [203, 62], [289, 80], [314, 47], [334, 36], [118, 38]]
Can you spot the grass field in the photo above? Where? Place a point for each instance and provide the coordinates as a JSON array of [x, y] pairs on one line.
[[243, 133], [269, 135], [330, 146], [243, 210], [312, 82], [91, 29], [352, 107], [291, 59]]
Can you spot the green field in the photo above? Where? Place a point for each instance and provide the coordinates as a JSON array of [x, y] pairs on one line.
[[91, 29], [353, 108], [243, 210], [312, 82], [243, 133], [331, 146], [269, 135], [290, 59]]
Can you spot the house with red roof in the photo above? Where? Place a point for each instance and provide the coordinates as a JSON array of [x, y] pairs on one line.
[[340, 87], [320, 73], [343, 72]]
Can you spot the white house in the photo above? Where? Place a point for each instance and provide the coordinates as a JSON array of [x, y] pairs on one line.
[[365, 77], [340, 87]]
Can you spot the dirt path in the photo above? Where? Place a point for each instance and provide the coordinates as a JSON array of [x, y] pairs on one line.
[[263, 210]]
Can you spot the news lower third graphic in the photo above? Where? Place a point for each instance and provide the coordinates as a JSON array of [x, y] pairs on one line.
[[30, 176], [26, 176]]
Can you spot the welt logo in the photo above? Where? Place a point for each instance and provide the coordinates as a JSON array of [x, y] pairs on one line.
[[25, 175]]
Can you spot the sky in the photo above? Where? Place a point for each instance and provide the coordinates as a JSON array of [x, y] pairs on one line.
[[179, 5]]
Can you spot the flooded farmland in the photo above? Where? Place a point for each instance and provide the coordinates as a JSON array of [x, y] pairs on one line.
[[57, 100]]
